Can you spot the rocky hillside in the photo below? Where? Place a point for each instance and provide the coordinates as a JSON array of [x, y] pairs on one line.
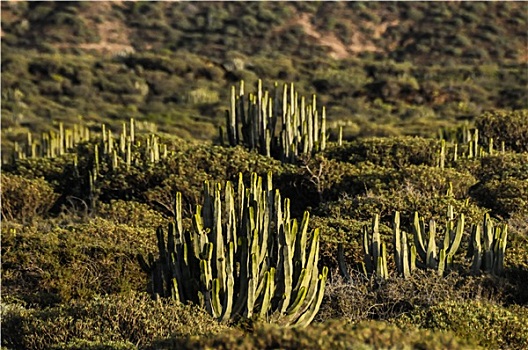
[[380, 68], [423, 33]]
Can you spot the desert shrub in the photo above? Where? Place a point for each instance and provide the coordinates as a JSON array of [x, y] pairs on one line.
[[336, 334], [490, 325], [393, 89], [374, 189], [508, 126], [407, 201], [24, 199], [45, 263], [275, 68], [435, 181], [515, 259], [362, 299], [503, 185], [82, 344], [186, 170], [505, 197], [392, 152], [128, 185], [130, 213], [321, 179], [345, 230], [327, 178], [59, 172], [366, 178], [111, 322], [503, 166]]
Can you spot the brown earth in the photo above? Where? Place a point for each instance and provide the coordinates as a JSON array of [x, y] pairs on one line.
[[114, 33], [338, 49]]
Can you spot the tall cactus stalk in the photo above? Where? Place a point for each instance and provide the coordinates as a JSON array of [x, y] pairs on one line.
[[243, 257], [475, 250], [405, 260], [374, 251]]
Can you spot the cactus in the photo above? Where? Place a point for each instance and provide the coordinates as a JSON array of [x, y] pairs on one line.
[[442, 154], [54, 144], [441, 261], [342, 264], [255, 121], [403, 256], [468, 142], [485, 254], [244, 256], [453, 236], [375, 252], [475, 250], [487, 249]]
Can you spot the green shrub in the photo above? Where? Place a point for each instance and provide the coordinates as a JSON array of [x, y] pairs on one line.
[[389, 152], [82, 344], [130, 213], [435, 181], [508, 126], [45, 263], [505, 197], [186, 170], [321, 178], [490, 325], [503, 185], [25, 199], [111, 322], [59, 172], [503, 166], [336, 229], [329, 335], [363, 195]]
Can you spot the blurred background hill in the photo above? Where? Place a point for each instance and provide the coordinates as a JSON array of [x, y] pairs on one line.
[[381, 68]]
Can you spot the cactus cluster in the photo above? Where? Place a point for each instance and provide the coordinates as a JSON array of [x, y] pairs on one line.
[[441, 258], [51, 144], [127, 147], [55, 143], [283, 128], [243, 257], [485, 251]]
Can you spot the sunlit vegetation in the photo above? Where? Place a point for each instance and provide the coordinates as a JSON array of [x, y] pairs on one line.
[[297, 175]]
